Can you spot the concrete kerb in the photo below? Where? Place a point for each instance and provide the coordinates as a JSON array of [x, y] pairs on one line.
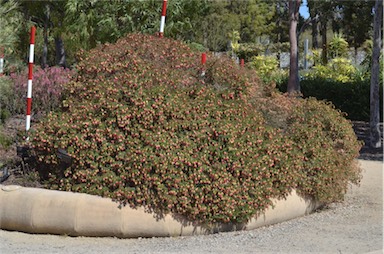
[[35, 210]]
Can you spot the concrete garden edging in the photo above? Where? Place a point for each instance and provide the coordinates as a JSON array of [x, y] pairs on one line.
[[35, 210]]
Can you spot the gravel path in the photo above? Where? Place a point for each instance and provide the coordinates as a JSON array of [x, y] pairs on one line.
[[354, 226]]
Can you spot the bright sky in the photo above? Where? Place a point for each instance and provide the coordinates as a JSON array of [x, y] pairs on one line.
[[304, 9]]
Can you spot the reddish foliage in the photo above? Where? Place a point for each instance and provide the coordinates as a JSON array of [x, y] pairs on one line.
[[144, 128]]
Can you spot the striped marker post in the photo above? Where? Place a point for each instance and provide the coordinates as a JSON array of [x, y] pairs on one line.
[[1, 61], [242, 63], [30, 75], [203, 61], [162, 20]]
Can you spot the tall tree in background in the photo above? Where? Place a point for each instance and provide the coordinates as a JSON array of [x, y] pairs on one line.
[[255, 18], [44, 62], [375, 72], [48, 16], [183, 17], [58, 31], [325, 15], [90, 23], [314, 13], [293, 81], [251, 19], [324, 11], [216, 25], [37, 13], [11, 22], [87, 23], [279, 33], [356, 21], [352, 18]]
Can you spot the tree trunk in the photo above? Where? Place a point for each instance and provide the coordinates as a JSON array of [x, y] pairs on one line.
[[375, 139], [60, 52], [315, 43], [323, 31], [278, 24], [44, 62], [45, 49], [293, 81]]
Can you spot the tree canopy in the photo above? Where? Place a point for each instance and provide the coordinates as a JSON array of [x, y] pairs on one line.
[[65, 27]]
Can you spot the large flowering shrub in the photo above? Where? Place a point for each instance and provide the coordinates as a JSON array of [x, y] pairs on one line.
[[146, 129], [327, 146]]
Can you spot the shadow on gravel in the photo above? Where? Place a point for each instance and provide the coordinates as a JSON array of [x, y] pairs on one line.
[[362, 132]]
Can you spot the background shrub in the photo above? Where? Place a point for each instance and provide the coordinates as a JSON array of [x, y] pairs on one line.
[[265, 65], [46, 92], [5, 140], [351, 97], [248, 50], [338, 46], [144, 127], [267, 68], [6, 96], [338, 69]]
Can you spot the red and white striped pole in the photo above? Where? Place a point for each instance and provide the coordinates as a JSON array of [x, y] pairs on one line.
[[203, 61], [162, 20], [242, 63], [30, 75], [1, 61]]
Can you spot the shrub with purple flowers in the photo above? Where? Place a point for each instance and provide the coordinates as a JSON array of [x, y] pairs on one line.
[[46, 92]]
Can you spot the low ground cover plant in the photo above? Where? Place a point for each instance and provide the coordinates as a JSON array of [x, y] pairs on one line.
[[144, 127]]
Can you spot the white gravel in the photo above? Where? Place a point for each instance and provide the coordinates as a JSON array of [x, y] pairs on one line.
[[354, 226]]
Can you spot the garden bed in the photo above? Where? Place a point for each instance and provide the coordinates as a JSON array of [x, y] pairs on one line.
[[35, 210]]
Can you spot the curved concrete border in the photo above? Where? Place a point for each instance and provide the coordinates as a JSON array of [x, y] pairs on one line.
[[35, 210]]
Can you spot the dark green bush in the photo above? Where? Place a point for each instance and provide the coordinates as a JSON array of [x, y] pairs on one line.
[[146, 129], [351, 97]]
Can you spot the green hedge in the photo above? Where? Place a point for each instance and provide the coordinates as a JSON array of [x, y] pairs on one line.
[[351, 97]]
